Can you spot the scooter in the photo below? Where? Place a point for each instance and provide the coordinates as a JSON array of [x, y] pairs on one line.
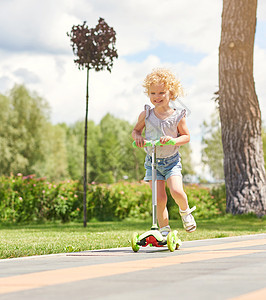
[[154, 237]]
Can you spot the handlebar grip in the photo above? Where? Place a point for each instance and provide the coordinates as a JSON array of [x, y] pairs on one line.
[[170, 142], [156, 143], [148, 143]]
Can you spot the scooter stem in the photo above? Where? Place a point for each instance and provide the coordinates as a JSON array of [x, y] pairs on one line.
[[154, 188]]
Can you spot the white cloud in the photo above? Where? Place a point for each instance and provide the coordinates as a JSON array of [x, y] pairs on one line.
[[139, 23], [261, 10], [35, 26]]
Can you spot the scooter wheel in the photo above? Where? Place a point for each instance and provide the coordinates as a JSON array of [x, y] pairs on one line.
[[178, 244], [171, 241], [177, 240], [134, 239]]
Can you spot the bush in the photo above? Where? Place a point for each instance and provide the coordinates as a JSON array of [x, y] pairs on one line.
[[209, 202], [219, 194], [27, 199], [119, 201]]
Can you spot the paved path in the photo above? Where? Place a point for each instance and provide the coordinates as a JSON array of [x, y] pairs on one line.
[[225, 268]]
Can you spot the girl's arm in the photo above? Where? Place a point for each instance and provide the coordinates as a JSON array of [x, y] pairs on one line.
[[184, 137], [137, 131]]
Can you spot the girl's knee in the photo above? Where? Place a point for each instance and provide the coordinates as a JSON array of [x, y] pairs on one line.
[[178, 193]]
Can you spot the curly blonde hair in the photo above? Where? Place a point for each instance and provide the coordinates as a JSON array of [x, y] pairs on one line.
[[165, 76]]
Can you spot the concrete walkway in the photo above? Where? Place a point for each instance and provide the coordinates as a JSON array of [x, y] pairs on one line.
[[225, 268]]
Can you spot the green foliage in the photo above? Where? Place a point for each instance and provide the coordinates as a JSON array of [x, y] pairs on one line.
[[209, 203], [111, 157], [219, 194], [29, 143], [27, 199], [23, 117], [119, 201], [115, 152], [54, 165], [73, 139], [212, 152], [187, 164]]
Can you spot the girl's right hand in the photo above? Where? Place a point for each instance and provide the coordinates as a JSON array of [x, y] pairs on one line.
[[140, 142]]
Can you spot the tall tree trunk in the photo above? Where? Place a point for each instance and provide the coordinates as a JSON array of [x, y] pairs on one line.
[[85, 155], [239, 110]]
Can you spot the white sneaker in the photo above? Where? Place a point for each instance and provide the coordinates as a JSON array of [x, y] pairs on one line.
[[165, 230], [188, 220]]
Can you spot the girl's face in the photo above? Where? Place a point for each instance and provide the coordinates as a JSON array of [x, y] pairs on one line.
[[159, 95]]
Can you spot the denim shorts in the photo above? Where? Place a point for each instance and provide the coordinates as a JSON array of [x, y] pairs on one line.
[[166, 167]]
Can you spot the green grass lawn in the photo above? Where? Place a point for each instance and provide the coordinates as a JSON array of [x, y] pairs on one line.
[[27, 240]]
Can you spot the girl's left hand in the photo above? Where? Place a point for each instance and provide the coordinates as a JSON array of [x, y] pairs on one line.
[[165, 139]]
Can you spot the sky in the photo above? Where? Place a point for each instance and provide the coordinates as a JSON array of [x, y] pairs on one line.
[[181, 35]]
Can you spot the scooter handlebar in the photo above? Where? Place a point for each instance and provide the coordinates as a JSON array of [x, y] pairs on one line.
[[156, 143]]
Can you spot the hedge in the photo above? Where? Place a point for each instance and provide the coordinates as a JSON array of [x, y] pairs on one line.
[[28, 199]]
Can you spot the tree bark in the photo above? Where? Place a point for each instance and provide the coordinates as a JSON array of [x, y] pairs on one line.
[[239, 111]]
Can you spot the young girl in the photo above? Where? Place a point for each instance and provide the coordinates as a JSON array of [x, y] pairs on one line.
[[165, 123]]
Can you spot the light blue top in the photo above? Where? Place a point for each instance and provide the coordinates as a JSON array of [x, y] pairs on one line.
[[156, 128]]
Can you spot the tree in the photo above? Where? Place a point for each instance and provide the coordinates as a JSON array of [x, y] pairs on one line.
[[187, 163], [212, 150], [239, 110], [95, 49], [29, 143], [23, 117], [54, 165], [6, 115], [74, 146], [114, 138]]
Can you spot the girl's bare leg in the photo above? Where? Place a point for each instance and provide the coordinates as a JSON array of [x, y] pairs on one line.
[[162, 212], [175, 185]]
